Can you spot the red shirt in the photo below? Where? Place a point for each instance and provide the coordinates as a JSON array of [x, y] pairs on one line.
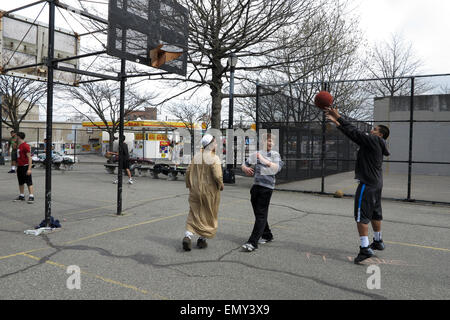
[[22, 151]]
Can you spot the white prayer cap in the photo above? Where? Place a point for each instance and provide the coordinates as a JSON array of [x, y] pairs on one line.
[[206, 140]]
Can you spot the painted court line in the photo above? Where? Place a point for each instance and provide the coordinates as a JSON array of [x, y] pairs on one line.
[[97, 235], [126, 227], [417, 246], [181, 214], [106, 232], [115, 206], [390, 242]]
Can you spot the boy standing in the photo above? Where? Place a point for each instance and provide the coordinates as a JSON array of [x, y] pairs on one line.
[[13, 151], [24, 163], [369, 172], [267, 164]]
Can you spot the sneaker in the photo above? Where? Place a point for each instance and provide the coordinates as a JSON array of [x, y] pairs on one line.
[[30, 199], [201, 243], [248, 247], [377, 245], [130, 181], [19, 198], [115, 181], [364, 253], [263, 241], [11, 171], [187, 244]]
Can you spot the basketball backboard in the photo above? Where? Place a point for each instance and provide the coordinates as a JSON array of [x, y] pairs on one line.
[[25, 42], [149, 32]]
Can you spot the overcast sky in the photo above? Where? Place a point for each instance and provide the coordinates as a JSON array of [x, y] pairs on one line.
[[423, 23]]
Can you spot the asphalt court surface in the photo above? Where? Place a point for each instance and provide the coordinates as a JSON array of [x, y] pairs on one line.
[[138, 256]]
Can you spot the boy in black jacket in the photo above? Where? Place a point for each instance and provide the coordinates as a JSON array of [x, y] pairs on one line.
[[369, 172]]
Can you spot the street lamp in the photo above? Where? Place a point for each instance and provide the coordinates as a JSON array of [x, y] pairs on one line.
[[229, 174], [232, 61]]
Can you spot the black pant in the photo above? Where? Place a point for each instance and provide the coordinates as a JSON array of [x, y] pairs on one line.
[[260, 198], [22, 176]]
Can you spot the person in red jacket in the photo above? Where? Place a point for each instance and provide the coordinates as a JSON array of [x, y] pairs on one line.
[[369, 172], [24, 164]]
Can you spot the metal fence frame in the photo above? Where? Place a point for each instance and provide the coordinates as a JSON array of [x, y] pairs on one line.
[[323, 158]]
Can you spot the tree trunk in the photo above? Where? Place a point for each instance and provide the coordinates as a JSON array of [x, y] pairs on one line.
[[216, 94], [111, 141]]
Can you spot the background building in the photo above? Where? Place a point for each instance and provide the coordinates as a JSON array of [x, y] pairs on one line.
[[431, 140], [147, 114]]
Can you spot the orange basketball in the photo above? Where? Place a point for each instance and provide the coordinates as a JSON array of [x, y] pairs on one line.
[[323, 100]]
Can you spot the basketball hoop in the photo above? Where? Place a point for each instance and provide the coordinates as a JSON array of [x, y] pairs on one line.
[[158, 56]]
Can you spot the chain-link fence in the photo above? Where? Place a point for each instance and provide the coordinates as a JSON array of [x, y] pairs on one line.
[[89, 145], [64, 141], [319, 158]]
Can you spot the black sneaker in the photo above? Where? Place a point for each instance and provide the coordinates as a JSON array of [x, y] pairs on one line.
[[30, 199], [11, 171], [201, 243], [364, 253], [19, 198], [377, 245], [187, 244]]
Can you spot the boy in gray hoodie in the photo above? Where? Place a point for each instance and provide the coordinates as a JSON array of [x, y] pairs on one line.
[[267, 164]]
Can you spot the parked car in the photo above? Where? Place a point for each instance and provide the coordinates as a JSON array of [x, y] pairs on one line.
[[66, 157], [58, 159]]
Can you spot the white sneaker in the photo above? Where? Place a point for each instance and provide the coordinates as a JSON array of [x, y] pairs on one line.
[[115, 181], [248, 247], [130, 181], [264, 241]]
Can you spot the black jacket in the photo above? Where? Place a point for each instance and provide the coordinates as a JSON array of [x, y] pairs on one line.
[[369, 162], [125, 153]]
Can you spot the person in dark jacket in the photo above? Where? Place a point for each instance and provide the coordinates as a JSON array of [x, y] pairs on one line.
[[369, 172], [126, 160]]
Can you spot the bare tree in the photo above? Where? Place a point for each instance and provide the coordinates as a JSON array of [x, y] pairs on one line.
[[328, 54], [191, 114], [19, 97], [103, 100], [444, 88], [249, 29]]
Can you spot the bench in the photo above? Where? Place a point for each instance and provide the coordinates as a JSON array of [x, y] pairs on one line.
[[111, 167], [67, 165], [171, 171]]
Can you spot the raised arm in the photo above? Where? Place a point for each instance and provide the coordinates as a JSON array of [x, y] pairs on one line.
[[272, 166], [353, 133]]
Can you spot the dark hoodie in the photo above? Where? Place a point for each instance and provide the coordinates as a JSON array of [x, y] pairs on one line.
[[369, 162]]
